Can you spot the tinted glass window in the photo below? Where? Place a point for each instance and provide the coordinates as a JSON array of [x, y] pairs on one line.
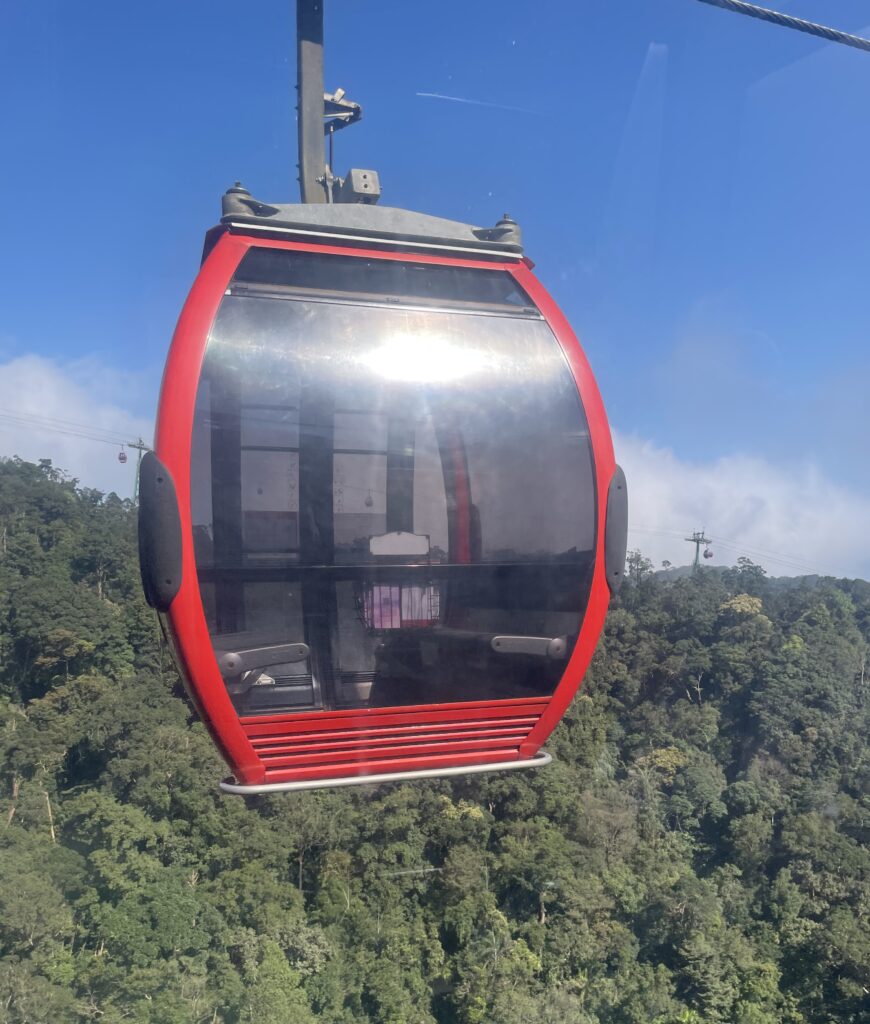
[[268, 270], [391, 505]]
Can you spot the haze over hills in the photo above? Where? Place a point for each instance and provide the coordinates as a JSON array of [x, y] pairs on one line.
[[680, 572]]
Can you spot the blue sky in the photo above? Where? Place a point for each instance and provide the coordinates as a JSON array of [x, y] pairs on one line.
[[692, 186]]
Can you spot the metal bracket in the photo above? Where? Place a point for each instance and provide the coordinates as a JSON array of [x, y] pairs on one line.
[[339, 112], [234, 663]]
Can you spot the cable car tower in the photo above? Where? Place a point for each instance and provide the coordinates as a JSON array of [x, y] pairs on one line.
[[699, 538], [367, 569]]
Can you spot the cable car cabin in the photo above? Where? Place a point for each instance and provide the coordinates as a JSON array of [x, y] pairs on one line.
[[383, 519]]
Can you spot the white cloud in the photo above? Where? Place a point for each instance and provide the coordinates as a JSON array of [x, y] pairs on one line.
[[789, 518], [85, 393]]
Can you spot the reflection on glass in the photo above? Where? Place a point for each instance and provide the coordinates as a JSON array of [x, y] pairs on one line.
[[270, 502], [328, 417], [400, 606], [425, 359]]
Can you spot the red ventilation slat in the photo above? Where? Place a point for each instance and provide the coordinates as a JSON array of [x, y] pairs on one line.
[[400, 751], [307, 721], [371, 741], [356, 769], [367, 728], [376, 742], [386, 732]]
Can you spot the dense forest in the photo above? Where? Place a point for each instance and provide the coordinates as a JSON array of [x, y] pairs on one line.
[[696, 853]]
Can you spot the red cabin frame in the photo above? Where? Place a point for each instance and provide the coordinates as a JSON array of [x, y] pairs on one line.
[[321, 747]]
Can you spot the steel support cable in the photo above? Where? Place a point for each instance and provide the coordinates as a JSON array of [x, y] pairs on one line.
[[24, 417], [773, 556], [789, 563], [73, 433], [833, 35], [768, 556], [734, 545], [38, 424]]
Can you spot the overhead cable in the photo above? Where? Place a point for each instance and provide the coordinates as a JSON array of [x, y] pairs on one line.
[[739, 546], [833, 35], [67, 427], [53, 422]]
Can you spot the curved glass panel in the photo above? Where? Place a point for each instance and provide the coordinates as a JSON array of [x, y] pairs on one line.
[[392, 489]]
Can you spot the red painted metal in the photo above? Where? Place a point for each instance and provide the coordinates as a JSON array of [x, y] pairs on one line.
[[416, 732], [356, 756], [462, 712], [332, 744], [376, 766], [174, 436], [409, 735], [415, 744], [461, 551], [605, 465]]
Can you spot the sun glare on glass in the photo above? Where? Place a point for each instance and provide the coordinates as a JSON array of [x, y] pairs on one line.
[[421, 359]]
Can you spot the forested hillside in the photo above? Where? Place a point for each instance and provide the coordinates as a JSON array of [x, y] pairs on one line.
[[696, 853]]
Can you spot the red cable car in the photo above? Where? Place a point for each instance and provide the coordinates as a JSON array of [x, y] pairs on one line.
[[382, 519]]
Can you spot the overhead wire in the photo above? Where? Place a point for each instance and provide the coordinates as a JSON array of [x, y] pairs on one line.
[[49, 422], [832, 35], [769, 557], [736, 545], [60, 426], [28, 414], [40, 427], [72, 428]]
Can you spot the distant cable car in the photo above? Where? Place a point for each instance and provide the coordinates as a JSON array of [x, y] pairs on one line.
[[708, 553], [122, 456], [382, 521]]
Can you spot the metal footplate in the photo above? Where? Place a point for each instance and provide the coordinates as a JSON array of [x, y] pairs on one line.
[[538, 761]]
